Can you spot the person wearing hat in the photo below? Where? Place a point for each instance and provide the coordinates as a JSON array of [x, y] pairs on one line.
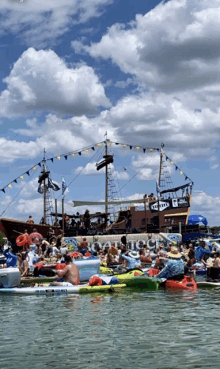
[[133, 259], [174, 268], [11, 259]]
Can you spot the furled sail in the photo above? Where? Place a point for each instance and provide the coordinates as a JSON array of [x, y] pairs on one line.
[[81, 203]]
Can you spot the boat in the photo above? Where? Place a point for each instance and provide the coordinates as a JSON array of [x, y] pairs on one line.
[[187, 283], [166, 212]]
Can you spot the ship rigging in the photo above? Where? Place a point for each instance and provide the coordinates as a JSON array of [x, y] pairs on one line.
[[167, 209]]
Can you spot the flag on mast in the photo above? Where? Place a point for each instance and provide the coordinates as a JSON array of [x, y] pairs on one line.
[[64, 186]]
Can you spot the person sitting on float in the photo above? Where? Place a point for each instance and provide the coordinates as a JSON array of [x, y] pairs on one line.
[[44, 245], [32, 258], [202, 249], [158, 263], [110, 257], [23, 264], [11, 259], [191, 259], [183, 249], [64, 249], [174, 268], [70, 274], [50, 234], [145, 259], [216, 262], [161, 252], [42, 269], [208, 260], [133, 259], [55, 249], [103, 253], [99, 251], [59, 238], [83, 247]]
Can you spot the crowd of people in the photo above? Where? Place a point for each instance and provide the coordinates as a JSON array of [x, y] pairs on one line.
[[172, 261]]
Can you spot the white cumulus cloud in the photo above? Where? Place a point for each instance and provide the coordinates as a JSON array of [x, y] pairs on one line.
[[41, 81], [174, 47], [39, 22], [206, 205]]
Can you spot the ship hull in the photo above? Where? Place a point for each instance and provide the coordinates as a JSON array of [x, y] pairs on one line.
[[13, 228], [149, 220]]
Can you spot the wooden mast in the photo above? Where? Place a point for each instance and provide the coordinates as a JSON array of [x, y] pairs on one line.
[[161, 161], [106, 181], [159, 182], [45, 189]]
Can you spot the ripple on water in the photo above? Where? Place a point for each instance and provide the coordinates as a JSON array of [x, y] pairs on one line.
[[146, 330]]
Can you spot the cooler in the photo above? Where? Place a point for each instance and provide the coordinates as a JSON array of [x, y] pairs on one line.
[[87, 268], [9, 277]]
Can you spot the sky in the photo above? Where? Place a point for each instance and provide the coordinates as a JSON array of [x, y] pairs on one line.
[[143, 71]]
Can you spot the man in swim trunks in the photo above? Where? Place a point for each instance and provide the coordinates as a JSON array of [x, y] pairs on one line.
[[70, 274]]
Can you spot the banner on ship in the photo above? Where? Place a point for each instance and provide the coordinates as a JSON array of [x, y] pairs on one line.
[[181, 202]]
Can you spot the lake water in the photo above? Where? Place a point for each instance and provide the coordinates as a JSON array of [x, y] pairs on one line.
[[157, 329]]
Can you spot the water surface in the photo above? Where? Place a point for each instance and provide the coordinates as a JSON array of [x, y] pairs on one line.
[[131, 330]]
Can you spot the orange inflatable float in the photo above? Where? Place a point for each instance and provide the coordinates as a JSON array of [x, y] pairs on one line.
[[95, 281], [74, 254], [60, 266], [23, 240]]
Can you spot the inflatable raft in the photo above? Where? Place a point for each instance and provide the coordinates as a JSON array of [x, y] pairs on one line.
[[59, 290], [138, 279]]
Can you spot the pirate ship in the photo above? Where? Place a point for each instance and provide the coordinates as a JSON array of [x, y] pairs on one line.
[[168, 211]]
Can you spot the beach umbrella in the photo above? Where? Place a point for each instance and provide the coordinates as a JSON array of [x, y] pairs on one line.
[[197, 219], [35, 237]]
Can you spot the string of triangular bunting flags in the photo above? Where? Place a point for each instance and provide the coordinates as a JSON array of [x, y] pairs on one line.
[[86, 150]]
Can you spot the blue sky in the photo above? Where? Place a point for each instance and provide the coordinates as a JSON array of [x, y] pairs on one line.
[[144, 71]]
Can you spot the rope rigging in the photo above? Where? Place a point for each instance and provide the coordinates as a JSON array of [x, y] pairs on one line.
[[100, 151], [81, 170], [137, 172], [17, 194]]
